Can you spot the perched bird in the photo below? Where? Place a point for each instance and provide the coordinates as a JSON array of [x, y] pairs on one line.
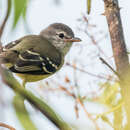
[[35, 57]]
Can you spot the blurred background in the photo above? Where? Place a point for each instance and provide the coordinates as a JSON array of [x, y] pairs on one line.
[[78, 91]]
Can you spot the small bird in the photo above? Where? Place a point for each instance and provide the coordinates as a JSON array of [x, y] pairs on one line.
[[36, 57]]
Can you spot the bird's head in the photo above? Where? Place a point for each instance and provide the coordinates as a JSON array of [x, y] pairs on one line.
[[60, 35]]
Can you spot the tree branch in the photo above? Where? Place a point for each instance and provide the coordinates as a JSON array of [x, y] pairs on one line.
[[6, 18], [6, 126], [112, 13], [104, 62], [36, 102]]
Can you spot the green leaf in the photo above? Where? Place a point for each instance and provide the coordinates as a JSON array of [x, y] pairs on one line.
[[106, 119], [19, 9], [25, 10], [22, 114], [89, 6], [9, 6]]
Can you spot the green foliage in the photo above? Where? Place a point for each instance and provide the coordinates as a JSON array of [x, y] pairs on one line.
[[108, 97], [106, 119], [20, 9], [9, 6], [22, 114], [89, 6]]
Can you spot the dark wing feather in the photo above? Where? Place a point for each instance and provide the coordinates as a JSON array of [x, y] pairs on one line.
[[26, 56], [30, 62]]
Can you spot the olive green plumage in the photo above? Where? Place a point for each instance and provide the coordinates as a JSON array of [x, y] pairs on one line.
[[35, 57]]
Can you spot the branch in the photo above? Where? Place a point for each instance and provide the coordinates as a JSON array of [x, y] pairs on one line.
[[22, 113], [6, 18], [112, 13], [104, 62], [7, 126], [89, 73], [36, 102], [87, 114]]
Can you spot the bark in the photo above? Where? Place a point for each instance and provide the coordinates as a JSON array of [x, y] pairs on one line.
[[112, 13], [6, 18]]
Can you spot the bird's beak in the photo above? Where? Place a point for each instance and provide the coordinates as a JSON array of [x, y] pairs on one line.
[[75, 39]]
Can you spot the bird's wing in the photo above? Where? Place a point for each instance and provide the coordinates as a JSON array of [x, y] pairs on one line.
[[11, 44], [32, 61], [33, 54]]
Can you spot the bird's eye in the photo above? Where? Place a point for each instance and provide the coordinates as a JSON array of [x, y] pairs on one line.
[[61, 35]]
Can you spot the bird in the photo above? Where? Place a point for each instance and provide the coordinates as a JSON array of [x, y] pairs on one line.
[[36, 57]]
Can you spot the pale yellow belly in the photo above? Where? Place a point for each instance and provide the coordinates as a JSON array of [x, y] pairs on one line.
[[32, 78], [29, 77]]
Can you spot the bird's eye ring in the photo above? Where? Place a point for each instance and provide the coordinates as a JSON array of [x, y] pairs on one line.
[[61, 35]]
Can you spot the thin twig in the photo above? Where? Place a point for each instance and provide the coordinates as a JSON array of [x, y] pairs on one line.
[[89, 73], [91, 36], [1, 32], [78, 101], [6, 18], [104, 62], [6, 126], [87, 114], [68, 92]]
